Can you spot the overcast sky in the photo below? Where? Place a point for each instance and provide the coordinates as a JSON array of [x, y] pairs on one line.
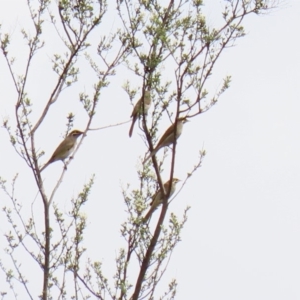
[[242, 238]]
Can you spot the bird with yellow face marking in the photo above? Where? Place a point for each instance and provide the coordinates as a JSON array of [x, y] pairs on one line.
[[138, 109], [169, 137], [64, 149], [157, 198]]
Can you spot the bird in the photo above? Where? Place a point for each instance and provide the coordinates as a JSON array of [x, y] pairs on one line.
[[157, 198], [138, 109], [169, 136], [64, 149]]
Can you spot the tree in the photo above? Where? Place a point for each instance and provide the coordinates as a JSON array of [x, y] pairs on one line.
[[168, 49]]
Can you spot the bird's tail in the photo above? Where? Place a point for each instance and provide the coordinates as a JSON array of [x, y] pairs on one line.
[[132, 126], [149, 214], [150, 155], [44, 167]]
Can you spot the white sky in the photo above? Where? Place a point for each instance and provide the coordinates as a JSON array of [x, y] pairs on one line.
[[242, 239]]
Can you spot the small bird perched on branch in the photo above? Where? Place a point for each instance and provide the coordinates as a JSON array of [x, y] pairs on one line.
[[157, 198], [64, 149], [138, 109], [169, 136]]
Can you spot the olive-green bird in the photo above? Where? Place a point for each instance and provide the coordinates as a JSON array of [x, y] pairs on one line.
[[169, 137], [64, 149], [157, 198], [138, 109]]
